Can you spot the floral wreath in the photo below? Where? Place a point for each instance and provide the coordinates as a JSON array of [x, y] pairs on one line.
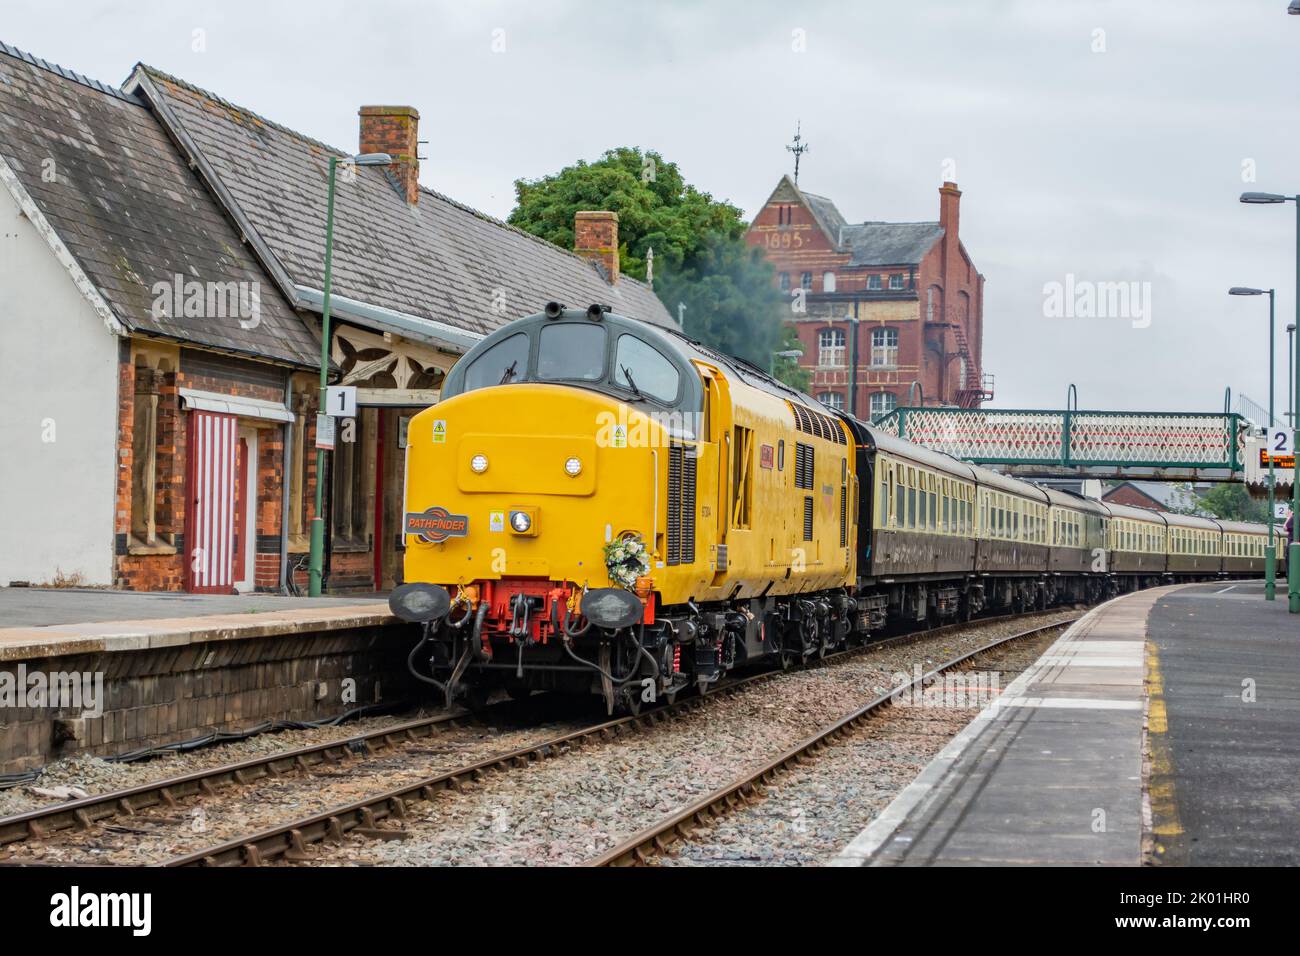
[[626, 559]]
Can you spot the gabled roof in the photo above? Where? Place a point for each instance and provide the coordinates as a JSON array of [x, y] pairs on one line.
[[102, 173], [890, 243], [867, 243], [438, 260], [1170, 496]]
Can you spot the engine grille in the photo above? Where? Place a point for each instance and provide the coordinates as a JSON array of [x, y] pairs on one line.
[[808, 518], [680, 534]]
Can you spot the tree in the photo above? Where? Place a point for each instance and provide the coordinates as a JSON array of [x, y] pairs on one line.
[[789, 370], [705, 273], [1232, 502]]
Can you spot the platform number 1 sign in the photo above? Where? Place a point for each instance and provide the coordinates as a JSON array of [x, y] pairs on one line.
[[341, 401]]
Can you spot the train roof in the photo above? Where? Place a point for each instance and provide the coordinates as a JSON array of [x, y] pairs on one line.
[[1242, 527], [1068, 499], [1190, 521], [901, 448], [1136, 514]]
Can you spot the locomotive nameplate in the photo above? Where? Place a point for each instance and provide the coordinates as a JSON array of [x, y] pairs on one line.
[[436, 524]]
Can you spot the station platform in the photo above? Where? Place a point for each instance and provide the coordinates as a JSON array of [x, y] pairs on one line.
[[105, 673], [43, 622], [1163, 727]]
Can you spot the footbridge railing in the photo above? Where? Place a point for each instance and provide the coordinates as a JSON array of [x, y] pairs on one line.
[[1177, 446]]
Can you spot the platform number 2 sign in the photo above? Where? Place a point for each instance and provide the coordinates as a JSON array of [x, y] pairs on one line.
[[1279, 441]]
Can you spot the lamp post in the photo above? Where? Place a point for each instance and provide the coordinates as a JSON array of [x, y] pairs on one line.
[[1270, 559], [1293, 547], [316, 564], [787, 354], [1290, 368]]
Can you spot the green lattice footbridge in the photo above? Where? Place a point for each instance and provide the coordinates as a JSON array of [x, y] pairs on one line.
[[1041, 443]]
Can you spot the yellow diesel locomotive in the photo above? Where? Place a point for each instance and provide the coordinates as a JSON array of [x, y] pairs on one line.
[[600, 505]]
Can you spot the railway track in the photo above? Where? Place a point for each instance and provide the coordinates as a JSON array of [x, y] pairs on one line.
[[365, 817], [683, 825], [86, 812]]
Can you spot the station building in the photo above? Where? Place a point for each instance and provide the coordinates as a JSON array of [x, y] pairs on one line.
[[887, 313], [161, 290]]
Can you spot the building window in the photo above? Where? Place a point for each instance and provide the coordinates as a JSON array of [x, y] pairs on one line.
[[785, 281], [353, 481], [896, 281], [828, 281], [830, 348], [805, 281], [874, 283], [833, 400], [884, 347], [882, 403]]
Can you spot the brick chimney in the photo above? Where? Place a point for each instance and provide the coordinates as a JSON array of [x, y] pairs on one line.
[[950, 209], [595, 236], [395, 130]]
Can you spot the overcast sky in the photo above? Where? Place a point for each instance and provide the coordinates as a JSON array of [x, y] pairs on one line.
[[1103, 140]]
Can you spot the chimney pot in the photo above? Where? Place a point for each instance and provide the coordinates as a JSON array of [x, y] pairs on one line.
[[395, 130], [595, 236], [950, 208]]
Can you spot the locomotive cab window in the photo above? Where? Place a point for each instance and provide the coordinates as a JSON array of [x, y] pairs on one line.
[[640, 367], [503, 363], [571, 352]]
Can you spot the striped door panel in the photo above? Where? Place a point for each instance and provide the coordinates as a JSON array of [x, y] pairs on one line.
[[210, 519]]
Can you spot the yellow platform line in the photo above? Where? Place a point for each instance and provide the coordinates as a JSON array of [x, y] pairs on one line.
[[1166, 827]]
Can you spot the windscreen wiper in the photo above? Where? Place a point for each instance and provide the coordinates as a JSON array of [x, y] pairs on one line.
[[509, 374], [631, 382]]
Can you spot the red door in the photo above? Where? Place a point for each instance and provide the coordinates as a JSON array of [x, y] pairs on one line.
[[241, 509], [210, 517]]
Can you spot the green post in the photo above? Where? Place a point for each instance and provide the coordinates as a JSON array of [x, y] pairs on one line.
[[316, 567], [1270, 559], [1293, 550]]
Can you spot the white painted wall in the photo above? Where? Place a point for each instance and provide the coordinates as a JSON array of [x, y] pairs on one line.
[[58, 364]]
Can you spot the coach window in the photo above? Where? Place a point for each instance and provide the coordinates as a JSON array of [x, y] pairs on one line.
[[641, 367], [900, 518], [505, 362], [882, 506], [911, 497], [934, 504], [572, 352]]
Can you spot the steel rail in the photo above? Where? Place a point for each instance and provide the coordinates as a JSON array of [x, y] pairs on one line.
[[289, 841], [682, 825], [87, 811]]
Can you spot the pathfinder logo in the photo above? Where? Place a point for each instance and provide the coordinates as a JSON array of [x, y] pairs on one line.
[[436, 524], [103, 909]]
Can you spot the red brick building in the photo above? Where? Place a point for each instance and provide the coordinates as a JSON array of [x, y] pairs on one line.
[[888, 313]]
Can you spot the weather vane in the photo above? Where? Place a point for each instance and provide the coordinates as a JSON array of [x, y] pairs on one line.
[[798, 147]]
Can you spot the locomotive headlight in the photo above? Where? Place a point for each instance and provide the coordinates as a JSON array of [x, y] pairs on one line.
[[478, 464], [521, 521], [573, 467]]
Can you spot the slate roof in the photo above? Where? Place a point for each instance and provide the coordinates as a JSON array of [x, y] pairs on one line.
[[890, 243], [438, 260], [867, 243], [130, 210]]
